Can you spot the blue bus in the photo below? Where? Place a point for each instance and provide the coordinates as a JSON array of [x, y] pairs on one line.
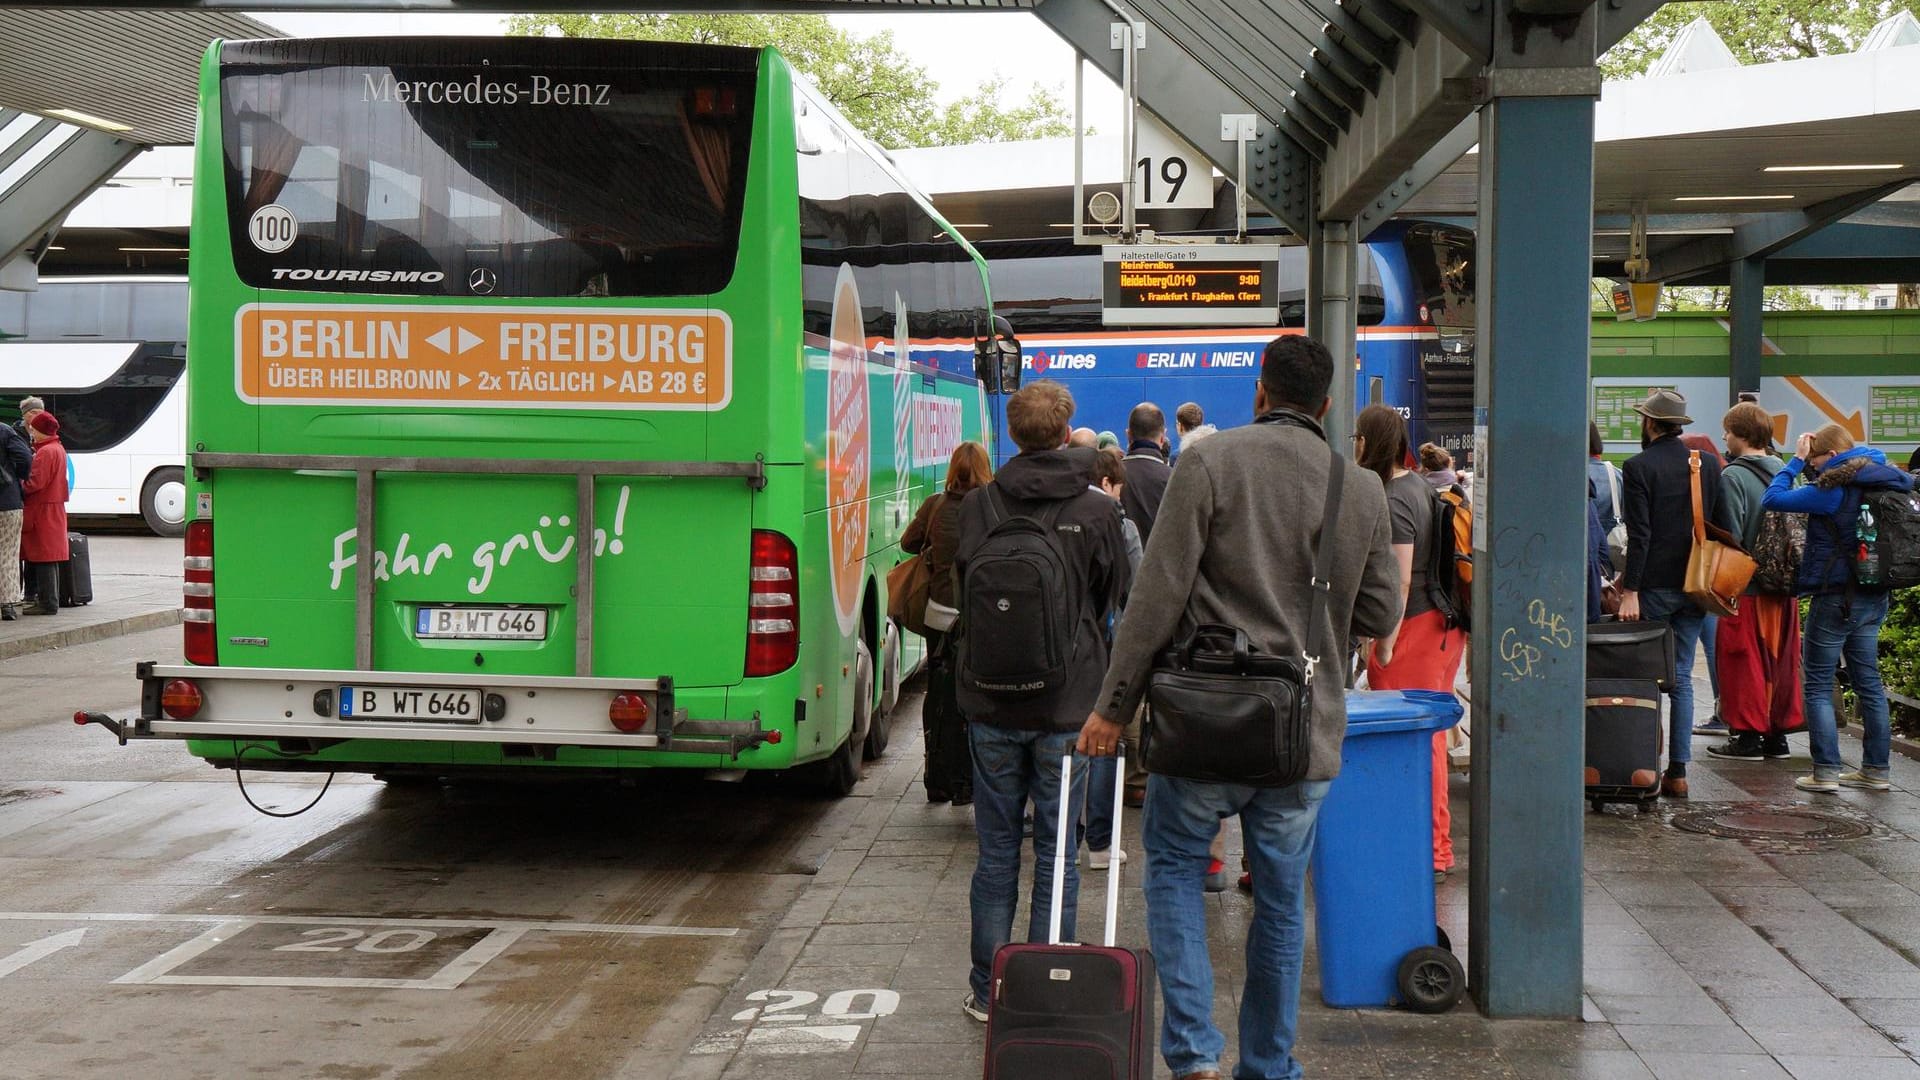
[[1415, 301]]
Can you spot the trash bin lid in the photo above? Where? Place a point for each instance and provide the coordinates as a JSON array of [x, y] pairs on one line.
[[1379, 712]]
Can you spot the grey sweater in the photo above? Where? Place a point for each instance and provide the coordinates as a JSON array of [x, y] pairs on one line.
[[1233, 544]]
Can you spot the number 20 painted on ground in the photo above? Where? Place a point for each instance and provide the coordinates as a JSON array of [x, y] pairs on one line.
[[838, 1006], [335, 939]]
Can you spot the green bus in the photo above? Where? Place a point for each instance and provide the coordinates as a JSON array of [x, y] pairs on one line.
[[556, 405]]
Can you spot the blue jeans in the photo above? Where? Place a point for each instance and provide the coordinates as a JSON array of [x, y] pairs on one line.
[[1672, 607], [1102, 774], [1836, 628], [1010, 767], [1278, 825]]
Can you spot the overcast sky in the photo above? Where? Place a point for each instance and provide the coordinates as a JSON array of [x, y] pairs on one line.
[[959, 50]]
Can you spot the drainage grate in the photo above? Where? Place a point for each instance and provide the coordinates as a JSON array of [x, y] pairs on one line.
[[1759, 822]]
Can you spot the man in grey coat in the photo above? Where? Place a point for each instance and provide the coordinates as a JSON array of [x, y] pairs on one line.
[[1234, 544]]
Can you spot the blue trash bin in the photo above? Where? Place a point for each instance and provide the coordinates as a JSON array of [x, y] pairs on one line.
[[1379, 941]]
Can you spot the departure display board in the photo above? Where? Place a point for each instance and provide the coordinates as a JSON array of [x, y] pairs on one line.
[[1190, 285]]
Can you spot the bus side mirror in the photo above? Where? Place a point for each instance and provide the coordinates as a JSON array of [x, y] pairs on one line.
[[1007, 350], [986, 365]]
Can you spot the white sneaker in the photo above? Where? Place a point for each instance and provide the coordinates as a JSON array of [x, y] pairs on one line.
[[1103, 858], [1825, 785], [973, 1008], [1869, 781]]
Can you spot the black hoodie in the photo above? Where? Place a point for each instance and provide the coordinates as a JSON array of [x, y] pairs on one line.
[[1090, 535]]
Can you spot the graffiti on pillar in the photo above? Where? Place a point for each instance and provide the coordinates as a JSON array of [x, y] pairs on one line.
[[1523, 648], [1551, 624], [1520, 657]]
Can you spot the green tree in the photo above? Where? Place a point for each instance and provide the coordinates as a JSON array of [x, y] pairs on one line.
[[1758, 33], [1717, 298], [878, 88], [981, 118]]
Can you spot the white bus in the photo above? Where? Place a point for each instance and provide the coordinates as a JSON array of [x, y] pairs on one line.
[[109, 355]]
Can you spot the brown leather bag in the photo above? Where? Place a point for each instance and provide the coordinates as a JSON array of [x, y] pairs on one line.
[[1717, 568], [908, 586]]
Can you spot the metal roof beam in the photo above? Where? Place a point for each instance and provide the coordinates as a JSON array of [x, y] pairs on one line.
[[1466, 23], [1398, 21], [1189, 26], [1438, 159], [1762, 235], [1420, 103], [1190, 99], [1619, 17], [1846, 240], [1343, 27], [36, 204], [784, 7]]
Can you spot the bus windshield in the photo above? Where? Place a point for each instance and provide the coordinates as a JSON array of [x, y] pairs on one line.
[[474, 168]]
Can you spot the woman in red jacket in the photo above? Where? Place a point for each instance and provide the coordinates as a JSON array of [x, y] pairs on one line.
[[43, 533]]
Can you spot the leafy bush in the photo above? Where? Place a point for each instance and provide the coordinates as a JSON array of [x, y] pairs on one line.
[[1900, 654]]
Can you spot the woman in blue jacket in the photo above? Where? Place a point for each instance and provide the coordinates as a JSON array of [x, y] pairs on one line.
[[1844, 617]]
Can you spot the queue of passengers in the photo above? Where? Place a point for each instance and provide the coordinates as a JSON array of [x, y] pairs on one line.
[[1230, 543], [1235, 548], [1772, 672]]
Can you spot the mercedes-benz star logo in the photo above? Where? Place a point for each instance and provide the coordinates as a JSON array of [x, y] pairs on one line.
[[481, 280]]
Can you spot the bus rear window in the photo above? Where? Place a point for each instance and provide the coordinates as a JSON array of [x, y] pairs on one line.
[[483, 167]]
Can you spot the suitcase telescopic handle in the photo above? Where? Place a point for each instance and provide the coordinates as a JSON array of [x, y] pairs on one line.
[[1060, 847]]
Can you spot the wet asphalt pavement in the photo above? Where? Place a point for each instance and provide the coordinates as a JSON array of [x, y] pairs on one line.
[[153, 925]]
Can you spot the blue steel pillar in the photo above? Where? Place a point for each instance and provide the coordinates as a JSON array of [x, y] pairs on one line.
[[1747, 299], [1530, 394]]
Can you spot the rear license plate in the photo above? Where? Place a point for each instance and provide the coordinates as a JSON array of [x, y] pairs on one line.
[[482, 623], [432, 703]]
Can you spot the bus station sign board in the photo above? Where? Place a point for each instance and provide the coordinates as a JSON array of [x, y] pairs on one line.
[[1190, 285], [484, 357]]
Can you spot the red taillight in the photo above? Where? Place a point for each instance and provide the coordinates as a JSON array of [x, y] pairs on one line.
[[180, 699], [202, 643], [628, 711], [773, 605]]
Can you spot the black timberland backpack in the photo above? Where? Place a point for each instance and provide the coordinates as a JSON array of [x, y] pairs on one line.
[[1016, 606], [1894, 538]]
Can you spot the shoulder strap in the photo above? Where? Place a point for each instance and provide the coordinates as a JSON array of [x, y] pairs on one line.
[[1754, 468], [1699, 515], [996, 510], [1049, 516], [1323, 566]]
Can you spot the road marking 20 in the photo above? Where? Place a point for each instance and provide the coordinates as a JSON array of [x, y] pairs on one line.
[[838, 1006], [410, 940]]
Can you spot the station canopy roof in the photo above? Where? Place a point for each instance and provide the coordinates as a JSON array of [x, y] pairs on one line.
[[1690, 146]]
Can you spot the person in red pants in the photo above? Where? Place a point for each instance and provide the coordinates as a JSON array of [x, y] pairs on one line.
[[1424, 651]]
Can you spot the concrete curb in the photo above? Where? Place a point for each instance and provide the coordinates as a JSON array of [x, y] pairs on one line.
[[1907, 748], [89, 632]]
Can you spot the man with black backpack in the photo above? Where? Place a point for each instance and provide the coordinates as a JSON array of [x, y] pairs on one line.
[[1042, 562]]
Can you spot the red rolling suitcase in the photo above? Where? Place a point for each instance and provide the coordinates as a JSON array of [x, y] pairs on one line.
[[1071, 1011]]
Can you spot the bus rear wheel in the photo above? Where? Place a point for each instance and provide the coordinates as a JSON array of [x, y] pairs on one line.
[[879, 715], [163, 501]]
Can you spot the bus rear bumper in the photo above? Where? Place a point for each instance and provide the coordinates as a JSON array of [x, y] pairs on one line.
[[305, 704]]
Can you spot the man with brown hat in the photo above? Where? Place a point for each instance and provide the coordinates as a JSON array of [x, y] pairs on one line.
[[1657, 501]]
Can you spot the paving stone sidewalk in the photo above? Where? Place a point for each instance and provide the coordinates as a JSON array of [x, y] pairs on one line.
[[1706, 957], [136, 587]]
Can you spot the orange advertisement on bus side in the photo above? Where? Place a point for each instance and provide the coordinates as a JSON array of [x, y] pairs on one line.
[[484, 357], [849, 454]]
